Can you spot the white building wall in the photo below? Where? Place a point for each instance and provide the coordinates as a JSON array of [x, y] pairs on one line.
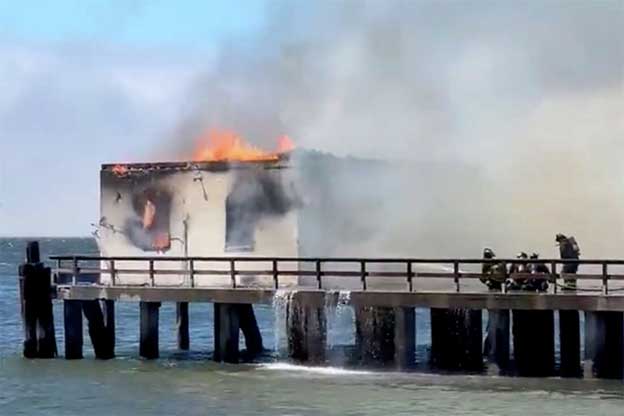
[[197, 225]]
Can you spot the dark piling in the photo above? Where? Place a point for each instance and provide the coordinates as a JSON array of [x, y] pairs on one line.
[[102, 336], [251, 330], [534, 342], [36, 301], [72, 312], [570, 344], [226, 332], [456, 339], [604, 351], [385, 336], [148, 344], [182, 325], [306, 328], [497, 341]]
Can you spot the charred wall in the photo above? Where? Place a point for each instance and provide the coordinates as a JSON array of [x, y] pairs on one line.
[[197, 210]]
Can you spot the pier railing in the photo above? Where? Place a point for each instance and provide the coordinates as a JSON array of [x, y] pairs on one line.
[[77, 267]]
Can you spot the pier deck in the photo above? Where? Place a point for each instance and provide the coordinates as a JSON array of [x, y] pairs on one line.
[[394, 298], [382, 293]]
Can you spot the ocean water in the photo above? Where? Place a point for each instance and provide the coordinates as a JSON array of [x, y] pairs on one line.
[[191, 384]]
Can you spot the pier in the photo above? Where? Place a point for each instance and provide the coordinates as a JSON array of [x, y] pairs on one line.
[[384, 293]]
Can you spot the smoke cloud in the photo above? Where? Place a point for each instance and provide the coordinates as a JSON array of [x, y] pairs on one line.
[[499, 123]]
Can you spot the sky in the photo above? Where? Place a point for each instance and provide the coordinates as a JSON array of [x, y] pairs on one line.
[[88, 82], [530, 92]]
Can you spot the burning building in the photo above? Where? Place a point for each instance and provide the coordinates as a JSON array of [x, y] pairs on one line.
[[230, 199]]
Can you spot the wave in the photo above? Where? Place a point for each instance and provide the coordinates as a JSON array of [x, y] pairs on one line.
[[330, 371]]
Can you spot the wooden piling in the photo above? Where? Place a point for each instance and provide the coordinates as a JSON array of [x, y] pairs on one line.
[[148, 344], [73, 329], [226, 333], [496, 347], [456, 339], [385, 336], [306, 328], [604, 351], [182, 325], [108, 312], [36, 304], [100, 336], [569, 344], [534, 342], [251, 330]]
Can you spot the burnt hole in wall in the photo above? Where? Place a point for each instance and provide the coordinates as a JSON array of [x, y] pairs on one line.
[[148, 227], [256, 194]]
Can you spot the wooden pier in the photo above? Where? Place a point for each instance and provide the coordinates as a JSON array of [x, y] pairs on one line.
[[385, 321]]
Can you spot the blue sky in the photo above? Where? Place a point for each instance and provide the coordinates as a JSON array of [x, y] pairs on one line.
[[157, 22], [86, 82]]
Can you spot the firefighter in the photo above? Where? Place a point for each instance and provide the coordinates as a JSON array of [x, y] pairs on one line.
[[539, 285], [492, 274], [569, 250], [521, 267]]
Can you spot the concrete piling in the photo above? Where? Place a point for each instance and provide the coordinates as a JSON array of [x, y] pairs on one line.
[[456, 339], [306, 327], [148, 344], [604, 351], [570, 344], [534, 342], [385, 336], [72, 313]]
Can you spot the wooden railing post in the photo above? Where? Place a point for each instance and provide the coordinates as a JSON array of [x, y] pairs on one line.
[[319, 281], [605, 279], [275, 275], [152, 273], [233, 273], [113, 274], [75, 271], [192, 272], [363, 274]]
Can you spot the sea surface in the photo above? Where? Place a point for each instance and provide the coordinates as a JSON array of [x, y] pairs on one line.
[[191, 384]]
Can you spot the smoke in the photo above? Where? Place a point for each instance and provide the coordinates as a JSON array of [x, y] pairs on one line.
[[256, 194], [502, 121]]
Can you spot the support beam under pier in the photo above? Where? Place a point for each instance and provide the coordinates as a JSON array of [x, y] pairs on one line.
[[497, 340], [148, 344], [251, 330], [456, 339], [306, 327], [102, 335], [534, 342], [604, 344], [570, 344], [73, 329], [226, 332], [182, 325], [385, 336]]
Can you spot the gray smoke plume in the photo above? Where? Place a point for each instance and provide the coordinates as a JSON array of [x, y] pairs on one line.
[[492, 123]]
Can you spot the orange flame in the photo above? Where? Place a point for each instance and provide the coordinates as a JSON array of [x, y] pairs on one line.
[[227, 146], [120, 170]]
